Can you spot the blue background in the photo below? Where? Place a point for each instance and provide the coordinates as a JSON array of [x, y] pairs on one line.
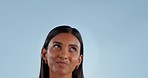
[[115, 34]]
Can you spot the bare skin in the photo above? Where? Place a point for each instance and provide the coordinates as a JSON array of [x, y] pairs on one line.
[[62, 55]]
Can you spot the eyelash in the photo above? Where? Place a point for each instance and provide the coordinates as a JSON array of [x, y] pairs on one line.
[[73, 48], [57, 46]]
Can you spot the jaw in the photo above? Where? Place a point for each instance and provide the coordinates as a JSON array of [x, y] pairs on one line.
[[59, 73]]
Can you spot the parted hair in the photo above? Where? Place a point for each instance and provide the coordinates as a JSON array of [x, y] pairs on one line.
[[44, 69]]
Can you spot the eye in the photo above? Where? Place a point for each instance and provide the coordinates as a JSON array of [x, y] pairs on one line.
[[57, 46], [73, 49]]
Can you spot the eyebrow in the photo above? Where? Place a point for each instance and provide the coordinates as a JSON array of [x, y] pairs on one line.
[[57, 42], [74, 45]]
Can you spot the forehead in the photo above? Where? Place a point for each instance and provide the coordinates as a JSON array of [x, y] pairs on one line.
[[66, 38]]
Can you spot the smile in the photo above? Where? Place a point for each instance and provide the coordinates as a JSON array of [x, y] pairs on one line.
[[60, 62]]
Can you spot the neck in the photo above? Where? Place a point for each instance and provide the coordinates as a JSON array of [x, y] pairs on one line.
[[58, 75]]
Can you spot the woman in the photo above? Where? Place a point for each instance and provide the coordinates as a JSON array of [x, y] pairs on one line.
[[62, 54]]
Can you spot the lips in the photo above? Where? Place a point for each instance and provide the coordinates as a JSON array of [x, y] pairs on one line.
[[62, 62]]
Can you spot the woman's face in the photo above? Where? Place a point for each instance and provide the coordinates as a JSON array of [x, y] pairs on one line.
[[63, 53]]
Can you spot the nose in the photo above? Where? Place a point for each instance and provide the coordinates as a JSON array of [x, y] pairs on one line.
[[63, 54]]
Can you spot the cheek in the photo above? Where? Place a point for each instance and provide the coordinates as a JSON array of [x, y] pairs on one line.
[[74, 57], [51, 58], [74, 61]]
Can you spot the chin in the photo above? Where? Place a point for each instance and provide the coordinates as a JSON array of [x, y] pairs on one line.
[[61, 71]]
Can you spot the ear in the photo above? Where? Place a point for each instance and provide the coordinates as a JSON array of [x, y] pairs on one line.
[[80, 59], [44, 52]]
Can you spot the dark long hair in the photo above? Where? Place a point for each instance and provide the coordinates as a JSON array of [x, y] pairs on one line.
[[44, 70]]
